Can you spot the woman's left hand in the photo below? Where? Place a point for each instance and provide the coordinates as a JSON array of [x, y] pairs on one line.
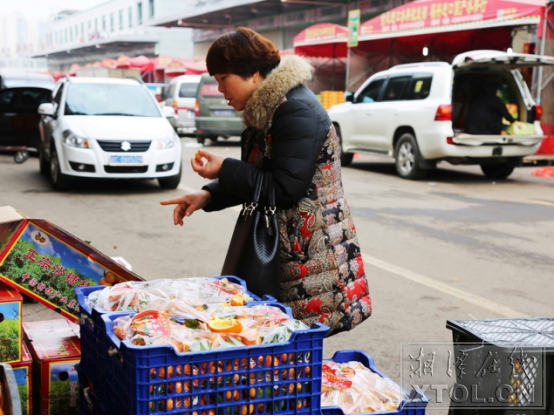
[[211, 169]]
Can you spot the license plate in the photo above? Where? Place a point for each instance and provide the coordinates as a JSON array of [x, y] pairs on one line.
[[125, 160], [223, 113]]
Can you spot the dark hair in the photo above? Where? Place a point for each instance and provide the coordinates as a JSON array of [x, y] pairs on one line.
[[242, 52]]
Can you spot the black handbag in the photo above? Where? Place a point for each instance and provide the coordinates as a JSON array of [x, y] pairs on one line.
[[253, 253]]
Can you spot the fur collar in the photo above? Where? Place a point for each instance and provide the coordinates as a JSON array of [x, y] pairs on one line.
[[291, 72]]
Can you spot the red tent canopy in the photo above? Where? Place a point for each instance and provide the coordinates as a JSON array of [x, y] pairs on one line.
[[325, 40], [139, 61], [195, 68], [421, 17]]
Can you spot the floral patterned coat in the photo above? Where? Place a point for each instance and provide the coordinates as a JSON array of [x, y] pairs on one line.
[[290, 134]]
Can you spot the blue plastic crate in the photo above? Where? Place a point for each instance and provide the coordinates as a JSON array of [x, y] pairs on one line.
[[88, 401], [94, 342], [245, 380], [417, 400]]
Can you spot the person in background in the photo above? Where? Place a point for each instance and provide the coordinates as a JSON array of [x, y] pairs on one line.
[[486, 111], [288, 134]]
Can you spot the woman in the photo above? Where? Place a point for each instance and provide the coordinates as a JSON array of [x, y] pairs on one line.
[[289, 134]]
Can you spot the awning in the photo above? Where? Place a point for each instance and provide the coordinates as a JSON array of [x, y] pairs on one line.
[[325, 40], [422, 17]]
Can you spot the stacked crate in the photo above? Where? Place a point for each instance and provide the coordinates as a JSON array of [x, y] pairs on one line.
[[331, 98]]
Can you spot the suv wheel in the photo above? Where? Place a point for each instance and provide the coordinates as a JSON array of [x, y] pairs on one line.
[[170, 182], [201, 139], [57, 178], [406, 158], [501, 171], [43, 163], [345, 158]]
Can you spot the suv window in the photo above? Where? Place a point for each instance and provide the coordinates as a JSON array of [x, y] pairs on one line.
[[188, 90], [29, 100], [371, 92], [420, 87], [396, 88], [6, 100]]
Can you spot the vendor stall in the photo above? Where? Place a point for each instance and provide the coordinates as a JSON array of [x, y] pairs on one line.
[[415, 32], [325, 46]]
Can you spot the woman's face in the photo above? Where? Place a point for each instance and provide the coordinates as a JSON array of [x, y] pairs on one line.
[[238, 90]]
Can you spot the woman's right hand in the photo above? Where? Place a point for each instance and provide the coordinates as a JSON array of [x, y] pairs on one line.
[[187, 204]]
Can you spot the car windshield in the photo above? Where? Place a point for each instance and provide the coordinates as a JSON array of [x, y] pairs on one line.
[[27, 82], [210, 90], [97, 99]]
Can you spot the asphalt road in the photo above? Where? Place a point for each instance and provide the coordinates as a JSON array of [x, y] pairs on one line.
[[453, 246]]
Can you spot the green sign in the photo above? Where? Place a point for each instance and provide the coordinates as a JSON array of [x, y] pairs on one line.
[[353, 27]]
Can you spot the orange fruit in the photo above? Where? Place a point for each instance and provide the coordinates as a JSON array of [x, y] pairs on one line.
[[187, 369], [110, 277], [170, 371], [169, 404], [238, 300], [225, 325]]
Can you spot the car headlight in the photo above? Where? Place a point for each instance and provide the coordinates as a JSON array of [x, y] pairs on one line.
[[71, 139], [167, 142]]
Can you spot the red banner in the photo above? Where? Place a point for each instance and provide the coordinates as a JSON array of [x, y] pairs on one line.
[[427, 16]]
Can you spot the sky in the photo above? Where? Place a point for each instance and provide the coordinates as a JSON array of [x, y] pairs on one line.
[[41, 9]]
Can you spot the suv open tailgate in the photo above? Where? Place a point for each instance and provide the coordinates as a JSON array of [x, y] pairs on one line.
[[498, 59]]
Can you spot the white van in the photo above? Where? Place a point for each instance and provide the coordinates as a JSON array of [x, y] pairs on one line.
[[415, 113], [181, 95]]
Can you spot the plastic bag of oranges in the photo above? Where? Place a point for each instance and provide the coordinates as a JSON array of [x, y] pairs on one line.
[[356, 389]]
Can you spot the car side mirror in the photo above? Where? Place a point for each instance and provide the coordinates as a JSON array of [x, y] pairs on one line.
[[168, 111], [349, 96], [47, 109]]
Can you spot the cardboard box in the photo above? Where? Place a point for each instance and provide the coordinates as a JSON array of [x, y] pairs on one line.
[[46, 263], [56, 349], [23, 372], [10, 324]]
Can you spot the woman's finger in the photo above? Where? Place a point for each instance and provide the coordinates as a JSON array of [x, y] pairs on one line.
[[172, 201]]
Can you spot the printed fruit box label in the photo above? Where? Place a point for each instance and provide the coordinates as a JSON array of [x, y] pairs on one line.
[[63, 391], [10, 332], [43, 265], [22, 379]]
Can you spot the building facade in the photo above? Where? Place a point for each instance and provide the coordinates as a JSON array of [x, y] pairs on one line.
[[113, 28]]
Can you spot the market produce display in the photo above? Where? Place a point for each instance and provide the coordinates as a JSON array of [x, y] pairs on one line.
[[356, 389], [193, 315]]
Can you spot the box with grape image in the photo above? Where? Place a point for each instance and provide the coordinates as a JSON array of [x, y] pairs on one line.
[[23, 377], [46, 263], [10, 324], [56, 349]]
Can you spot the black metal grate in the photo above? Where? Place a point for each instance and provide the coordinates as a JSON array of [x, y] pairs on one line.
[[532, 332], [125, 169], [115, 145]]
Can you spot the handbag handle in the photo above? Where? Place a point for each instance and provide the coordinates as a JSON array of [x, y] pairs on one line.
[[250, 208]]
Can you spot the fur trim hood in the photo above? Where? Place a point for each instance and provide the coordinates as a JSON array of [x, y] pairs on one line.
[[291, 72]]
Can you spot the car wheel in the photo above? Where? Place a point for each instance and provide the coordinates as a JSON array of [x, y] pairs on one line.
[[170, 182], [201, 139], [43, 163], [501, 171], [57, 178], [213, 138], [406, 158], [345, 158]]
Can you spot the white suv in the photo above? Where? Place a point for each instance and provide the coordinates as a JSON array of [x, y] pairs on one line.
[[107, 128], [415, 113]]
